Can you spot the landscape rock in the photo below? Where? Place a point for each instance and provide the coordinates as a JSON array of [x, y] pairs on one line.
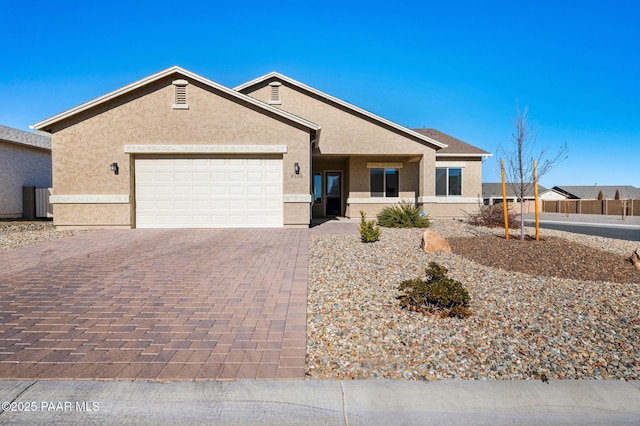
[[635, 259], [431, 242], [525, 324]]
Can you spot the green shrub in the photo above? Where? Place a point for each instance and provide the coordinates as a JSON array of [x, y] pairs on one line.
[[492, 217], [438, 293], [403, 215], [369, 232]]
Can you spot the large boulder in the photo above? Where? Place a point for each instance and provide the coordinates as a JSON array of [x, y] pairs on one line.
[[431, 241], [635, 259]]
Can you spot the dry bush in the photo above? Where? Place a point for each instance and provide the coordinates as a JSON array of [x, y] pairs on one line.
[[492, 217]]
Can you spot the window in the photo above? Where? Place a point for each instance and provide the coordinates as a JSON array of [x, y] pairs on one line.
[[384, 182], [448, 182], [317, 188]]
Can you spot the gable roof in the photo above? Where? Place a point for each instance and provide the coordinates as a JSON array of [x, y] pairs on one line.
[[20, 137], [46, 124], [342, 103], [455, 147], [494, 190], [590, 192]]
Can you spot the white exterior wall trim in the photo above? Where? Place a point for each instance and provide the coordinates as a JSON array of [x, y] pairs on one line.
[[342, 103], [205, 149], [89, 199], [449, 200], [42, 125], [444, 155], [297, 198]]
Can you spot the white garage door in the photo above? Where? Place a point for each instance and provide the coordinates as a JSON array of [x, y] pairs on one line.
[[208, 192]]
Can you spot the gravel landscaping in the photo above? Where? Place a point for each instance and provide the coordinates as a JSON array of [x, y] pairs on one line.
[[14, 235], [567, 308]]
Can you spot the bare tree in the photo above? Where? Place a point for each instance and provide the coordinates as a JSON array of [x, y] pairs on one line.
[[520, 156]]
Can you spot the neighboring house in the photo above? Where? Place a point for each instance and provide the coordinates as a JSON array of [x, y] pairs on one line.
[[25, 160], [590, 192], [178, 150], [492, 193]]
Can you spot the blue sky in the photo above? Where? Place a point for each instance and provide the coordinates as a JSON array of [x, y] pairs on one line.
[[458, 66]]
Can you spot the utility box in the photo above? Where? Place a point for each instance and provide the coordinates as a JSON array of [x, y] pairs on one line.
[[29, 202]]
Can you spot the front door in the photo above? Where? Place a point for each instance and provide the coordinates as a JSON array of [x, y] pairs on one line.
[[334, 193]]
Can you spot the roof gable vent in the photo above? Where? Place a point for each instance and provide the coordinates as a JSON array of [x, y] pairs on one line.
[[274, 93], [180, 100]]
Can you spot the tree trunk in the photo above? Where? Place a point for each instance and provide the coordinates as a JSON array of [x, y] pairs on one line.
[[522, 220]]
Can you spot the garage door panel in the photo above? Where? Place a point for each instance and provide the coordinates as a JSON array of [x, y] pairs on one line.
[[208, 192]]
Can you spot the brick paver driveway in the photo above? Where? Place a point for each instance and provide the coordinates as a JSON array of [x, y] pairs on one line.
[[156, 304]]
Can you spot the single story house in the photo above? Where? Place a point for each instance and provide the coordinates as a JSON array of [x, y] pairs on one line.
[[25, 160], [590, 192], [178, 150], [492, 193]]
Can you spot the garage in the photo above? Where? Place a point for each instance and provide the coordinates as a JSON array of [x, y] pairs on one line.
[[208, 192]]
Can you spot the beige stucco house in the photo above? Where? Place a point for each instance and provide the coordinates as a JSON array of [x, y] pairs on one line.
[[25, 160], [178, 150]]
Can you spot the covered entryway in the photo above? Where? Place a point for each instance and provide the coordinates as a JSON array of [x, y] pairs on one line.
[[208, 192]]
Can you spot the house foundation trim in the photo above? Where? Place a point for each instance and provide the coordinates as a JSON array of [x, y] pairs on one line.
[[89, 199], [297, 198], [449, 200], [205, 149]]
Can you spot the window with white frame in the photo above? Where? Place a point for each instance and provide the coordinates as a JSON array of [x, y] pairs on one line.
[[448, 181], [384, 182]]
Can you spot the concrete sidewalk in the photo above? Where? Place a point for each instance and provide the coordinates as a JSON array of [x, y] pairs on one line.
[[313, 402], [586, 219]]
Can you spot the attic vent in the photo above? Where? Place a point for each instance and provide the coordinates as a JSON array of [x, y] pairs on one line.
[[274, 95], [180, 94]]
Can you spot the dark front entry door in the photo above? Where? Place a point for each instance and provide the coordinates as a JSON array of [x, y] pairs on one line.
[[334, 193]]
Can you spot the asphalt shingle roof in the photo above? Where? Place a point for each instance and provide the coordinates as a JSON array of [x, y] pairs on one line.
[[590, 192], [36, 140], [495, 190], [455, 146]]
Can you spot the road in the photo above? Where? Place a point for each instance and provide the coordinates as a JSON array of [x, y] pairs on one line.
[[620, 232]]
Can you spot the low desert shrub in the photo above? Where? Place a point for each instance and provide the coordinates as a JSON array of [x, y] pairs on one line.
[[438, 293], [369, 232], [403, 215], [492, 217]]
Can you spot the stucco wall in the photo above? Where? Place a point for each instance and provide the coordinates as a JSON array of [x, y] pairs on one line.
[[347, 133], [21, 166], [449, 210], [84, 148], [433, 210], [471, 174], [409, 175], [92, 215], [343, 131]]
